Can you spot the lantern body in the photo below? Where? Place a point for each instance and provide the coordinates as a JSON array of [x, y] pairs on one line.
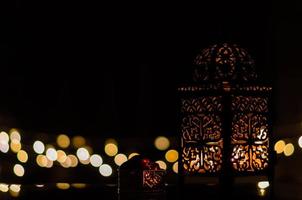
[[225, 121], [140, 178]]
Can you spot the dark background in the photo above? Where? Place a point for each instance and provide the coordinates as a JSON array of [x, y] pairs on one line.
[[113, 69]]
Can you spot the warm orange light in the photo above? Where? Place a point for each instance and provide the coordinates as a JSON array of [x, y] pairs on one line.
[[111, 149], [19, 170], [175, 167], [162, 143], [63, 186], [119, 159], [171, 155], [63, 141], [15, 146], [289, 149], [279, 146], [132, 155], [162, 164], [78, 141], [74, 160], [61, 156], [22, 156], [42, 160]]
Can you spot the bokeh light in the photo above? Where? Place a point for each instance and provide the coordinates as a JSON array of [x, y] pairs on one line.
[[162, 164], [4, 147], [39, 147], [175, 167], [162, 143], [105, 170], [279, 146], [15, 146], [61, 156], [289, 149], [22, 156], [132, 155], [4, 137], [18, 170], [49, 163], [63, 186], [111, 149], [15, 187], [119, 159], [263, 184], [300, 141], [51, 154], [41, 160], [14, 135], [171, 155], [63, 141], [83, 154], [78, 141], [78, 185], [96, 160], [66, 163], [74, 160], [3, 187]]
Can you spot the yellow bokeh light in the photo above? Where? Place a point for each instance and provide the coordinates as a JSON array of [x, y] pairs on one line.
[[63, 186], [22, 156], [78, 185], [15, 187], [111, 149], [85, 162], [111, 140], [61, 156], [49, 163], [14, 135], [300, 141], [132, 155], [119, 159], [74, 160], [15, 146], [263, 184], [14, 194], [171, 155], [105, 170], [51, 154], [63, 141], [289, 149], [66, 163], [162, 164], [41, 160], [162, 143], [78, 141], [19, 170], [4, 138], [39, 147], [3, 187], [279, 146], [96, 160], [175, 167]]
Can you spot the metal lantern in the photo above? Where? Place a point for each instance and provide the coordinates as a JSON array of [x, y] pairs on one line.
[[225, 121], [141, 179]]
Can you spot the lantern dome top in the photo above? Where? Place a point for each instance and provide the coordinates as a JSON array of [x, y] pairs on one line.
[[224, 62]]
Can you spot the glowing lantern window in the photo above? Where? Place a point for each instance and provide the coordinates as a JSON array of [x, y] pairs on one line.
[[224, 115]]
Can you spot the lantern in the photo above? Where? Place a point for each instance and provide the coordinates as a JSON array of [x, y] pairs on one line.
[[224, 120], [141, 178]]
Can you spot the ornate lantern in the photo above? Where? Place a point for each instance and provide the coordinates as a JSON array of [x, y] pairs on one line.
[[225, 121], [140, 178]]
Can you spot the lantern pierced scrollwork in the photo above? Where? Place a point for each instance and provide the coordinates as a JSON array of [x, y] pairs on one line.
[[224, 115]]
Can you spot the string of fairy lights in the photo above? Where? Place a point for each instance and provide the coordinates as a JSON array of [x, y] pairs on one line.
[[46, 155]]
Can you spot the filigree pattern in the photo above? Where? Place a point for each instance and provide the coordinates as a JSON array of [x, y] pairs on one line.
[[250, 142], [250, 157], [153, 179], [249, 104], [200, 127], [224, 62], [203, 159], [202, 104]]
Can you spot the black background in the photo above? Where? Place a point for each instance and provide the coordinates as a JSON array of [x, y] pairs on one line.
[[112, 69]]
